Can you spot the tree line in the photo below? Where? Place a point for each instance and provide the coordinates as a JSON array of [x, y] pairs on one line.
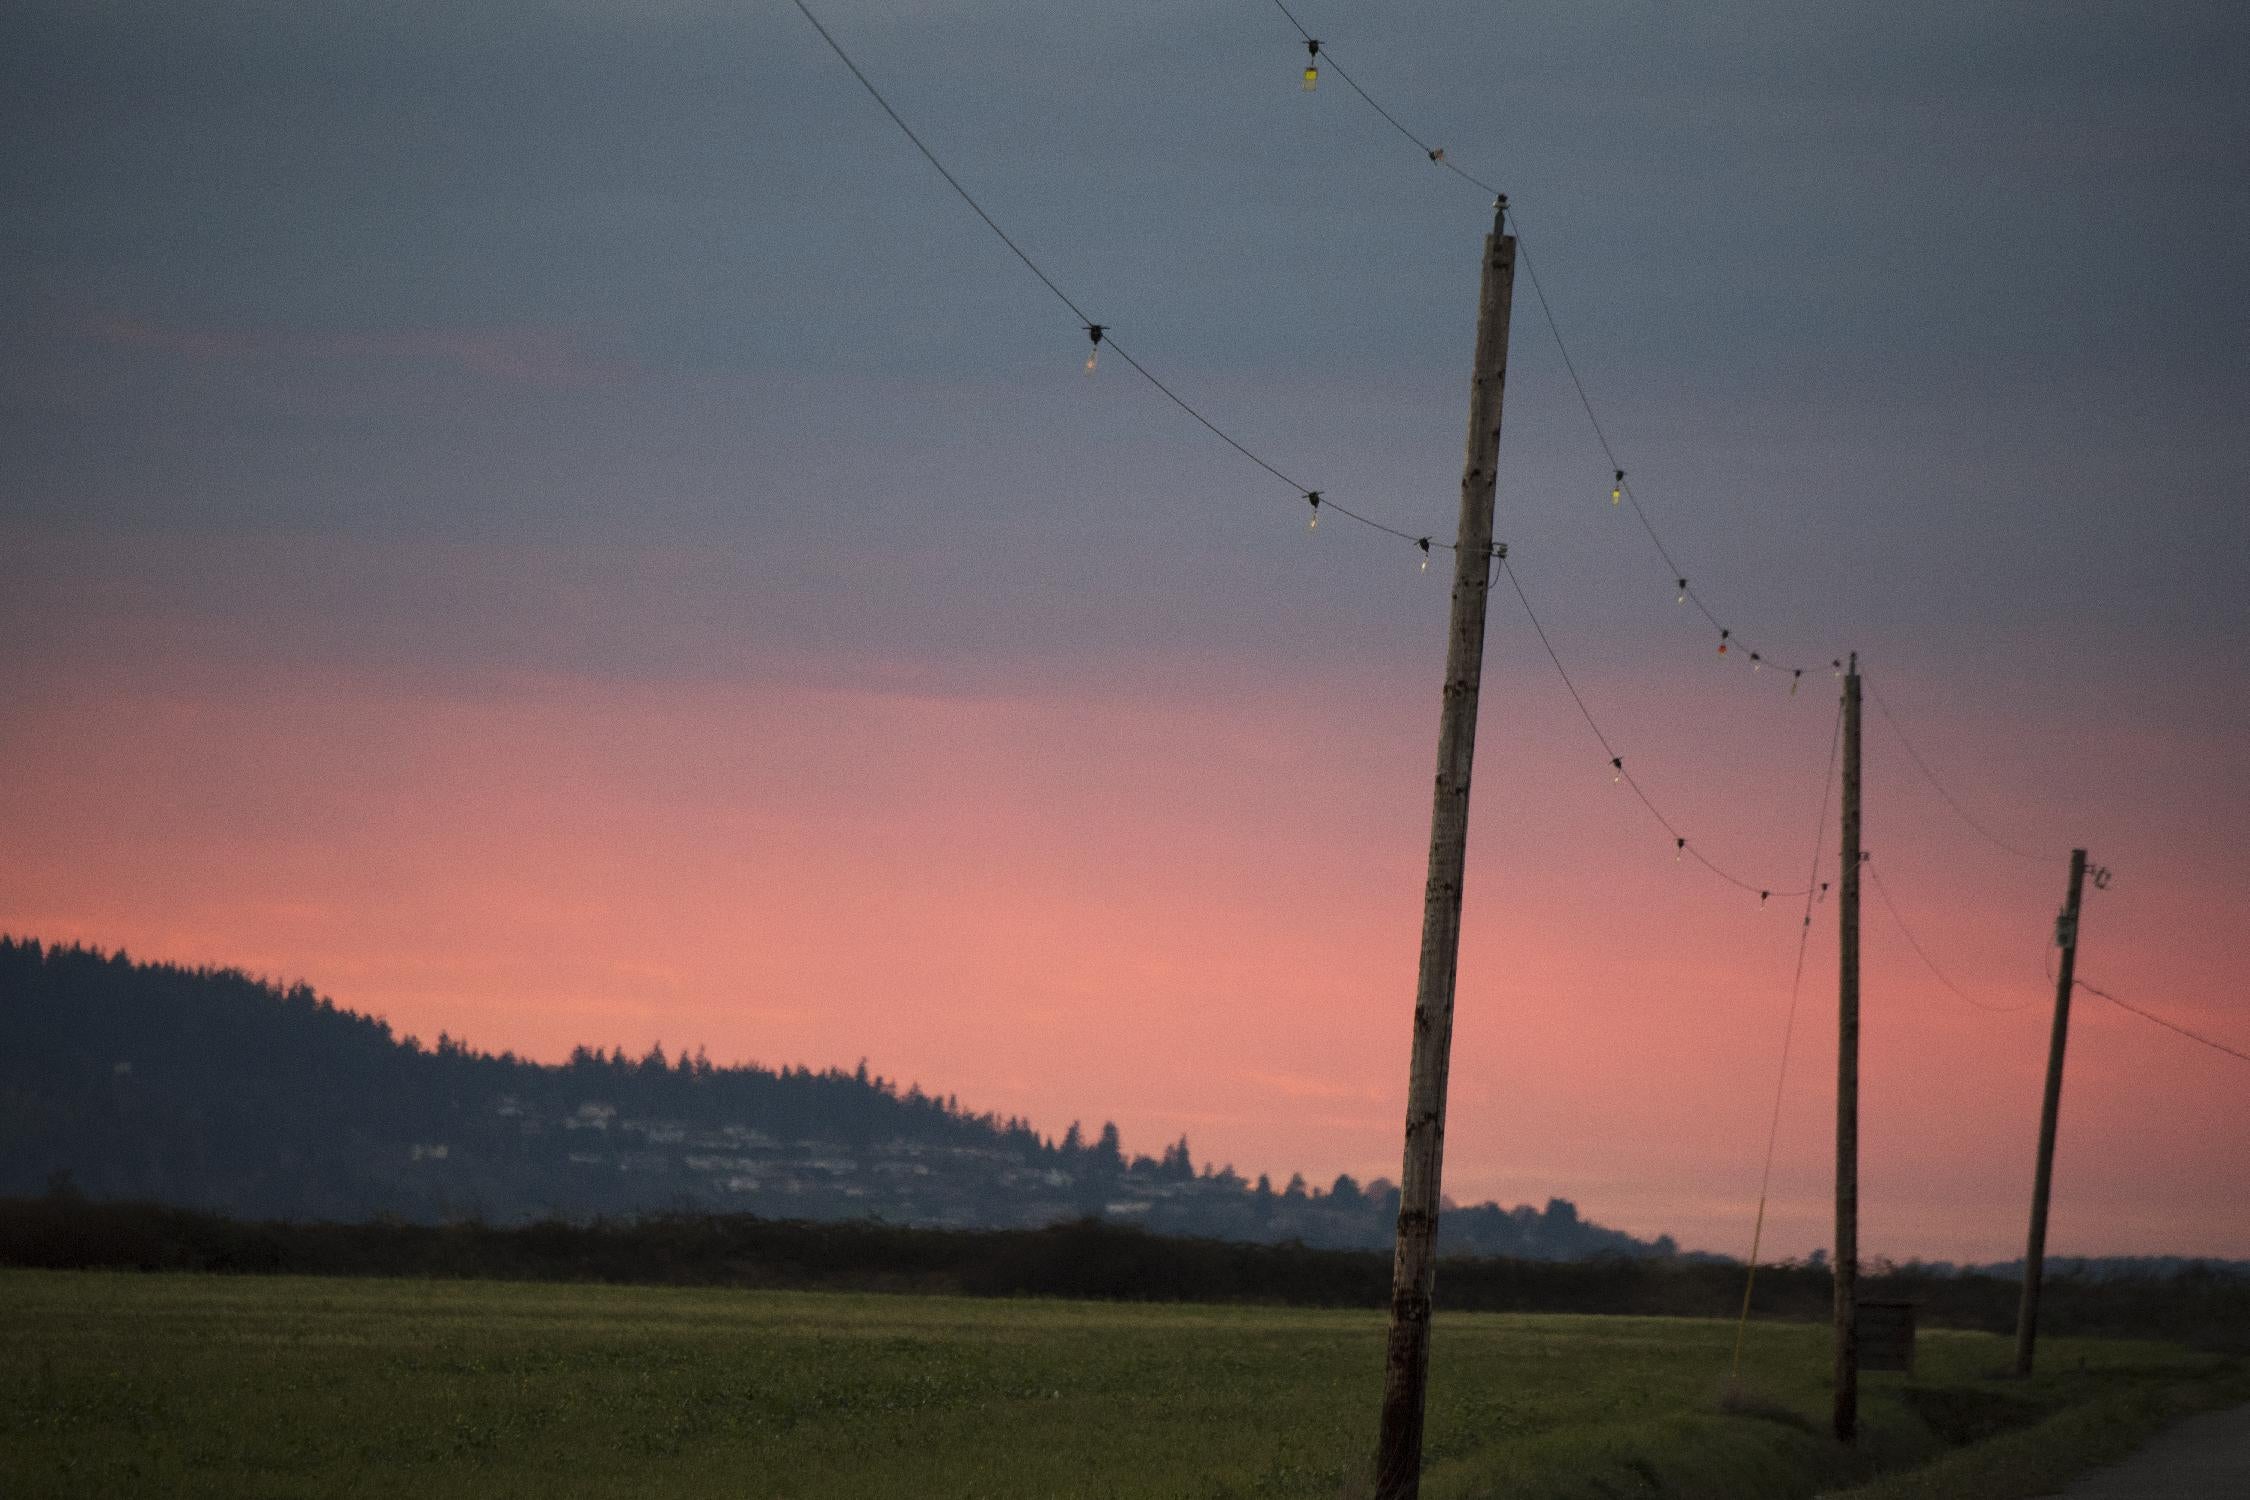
[[211, 1088]]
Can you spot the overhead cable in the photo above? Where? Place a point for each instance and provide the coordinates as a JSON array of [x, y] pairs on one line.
[[1618, 772], [1100, 333], [2150, 1015], [1929, 775], [1788, 1034], [1923, 953], [1730, 642]]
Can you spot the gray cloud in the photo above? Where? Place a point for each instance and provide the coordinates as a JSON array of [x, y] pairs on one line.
[[1919, 325]]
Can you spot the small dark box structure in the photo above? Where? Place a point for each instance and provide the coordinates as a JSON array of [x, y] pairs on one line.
[[1886, 1336]]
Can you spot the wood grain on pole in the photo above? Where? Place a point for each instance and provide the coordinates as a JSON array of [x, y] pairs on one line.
[[2035, 1250], [1846, 1262], [1398, 1455]]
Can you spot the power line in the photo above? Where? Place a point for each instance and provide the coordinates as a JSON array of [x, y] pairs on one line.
[[1316, 499], [1435, 153], [1788, 1035], [1622, 488], [2149, 1015], [1924, 954], [1617, 761], [1099, 332], [932, 158], [1931, 776]]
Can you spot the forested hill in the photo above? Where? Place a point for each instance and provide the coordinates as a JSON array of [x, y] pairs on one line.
[[211, 1089]]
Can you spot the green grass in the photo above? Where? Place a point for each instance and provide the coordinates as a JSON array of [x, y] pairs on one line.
[[263, 1387]]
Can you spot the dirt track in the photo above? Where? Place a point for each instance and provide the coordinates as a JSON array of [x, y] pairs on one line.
[[2204, 1458]]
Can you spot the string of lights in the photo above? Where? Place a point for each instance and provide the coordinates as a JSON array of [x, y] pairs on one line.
[[1621, 491], [1923, 953], [1100, 335], [1681, 848], [1788, 1036], [2149, 1015], [1931, 776], [1436, 154]]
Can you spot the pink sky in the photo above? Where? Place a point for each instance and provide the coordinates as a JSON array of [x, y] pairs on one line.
[[1189, 901], [567, 531]]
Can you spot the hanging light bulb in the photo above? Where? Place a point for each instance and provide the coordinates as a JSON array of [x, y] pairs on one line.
[[1839, 666], [1683, 593], [1756, 665], [1424, 544], [1617, 489], [1723, 634], [1312, 497], [1679, 847], [1794, 674], [1312, 65], [1094, 334], [1617, 769], [1762, 897]]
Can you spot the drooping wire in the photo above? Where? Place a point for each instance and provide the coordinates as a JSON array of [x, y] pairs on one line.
[[1680, 577], [2149, 1015], [1316, 498], [1227, 438], [1930, 776], [1435, 153], [1924, 954], [932, 158], [1788, 1035], [2080, 984], [1681, 846]]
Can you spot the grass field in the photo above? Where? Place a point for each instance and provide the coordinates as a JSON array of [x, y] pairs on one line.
[[114, 1384]]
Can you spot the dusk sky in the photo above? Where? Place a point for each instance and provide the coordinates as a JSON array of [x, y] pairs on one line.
[[548, 521]]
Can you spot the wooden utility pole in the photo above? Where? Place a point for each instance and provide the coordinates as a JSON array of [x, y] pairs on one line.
[[1406, 1366], [2035, 1251], [1847, 1083]]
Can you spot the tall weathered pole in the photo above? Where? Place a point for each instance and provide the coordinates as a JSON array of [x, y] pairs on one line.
[[2035, 1251], [1398, 1452], [1847, 1082]]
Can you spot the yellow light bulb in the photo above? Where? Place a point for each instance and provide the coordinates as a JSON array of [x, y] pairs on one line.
[[1312, 78], [1617, 490]]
